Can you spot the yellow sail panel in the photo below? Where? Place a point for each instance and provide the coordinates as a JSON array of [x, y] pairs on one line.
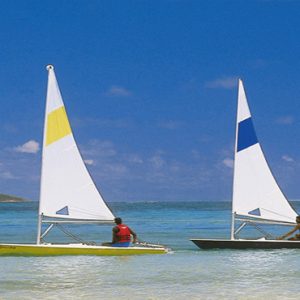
[[57, 125]]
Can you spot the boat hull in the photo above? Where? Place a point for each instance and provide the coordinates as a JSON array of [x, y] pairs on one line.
[[74, 249], [245, 244]]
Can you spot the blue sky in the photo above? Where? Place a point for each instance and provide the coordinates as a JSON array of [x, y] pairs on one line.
[[150, 89]]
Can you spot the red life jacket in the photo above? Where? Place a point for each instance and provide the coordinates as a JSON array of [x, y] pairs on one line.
[[123, 234]]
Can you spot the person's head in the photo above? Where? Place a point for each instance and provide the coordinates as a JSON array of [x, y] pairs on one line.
[[298, 219], [118, 221]]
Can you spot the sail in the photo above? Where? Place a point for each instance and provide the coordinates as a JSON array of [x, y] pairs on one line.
[[67, 190], [256, 193]]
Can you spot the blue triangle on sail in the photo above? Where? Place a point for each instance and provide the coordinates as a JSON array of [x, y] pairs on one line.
[[255, 212], [246, 134], [63, 211]]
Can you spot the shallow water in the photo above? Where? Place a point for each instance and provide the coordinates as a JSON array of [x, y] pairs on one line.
[[185, 272]]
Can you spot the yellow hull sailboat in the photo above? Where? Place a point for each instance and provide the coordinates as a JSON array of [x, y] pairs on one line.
[[74, 249], [68, 193]]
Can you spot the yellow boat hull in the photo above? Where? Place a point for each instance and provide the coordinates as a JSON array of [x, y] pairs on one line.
[[74, 249]]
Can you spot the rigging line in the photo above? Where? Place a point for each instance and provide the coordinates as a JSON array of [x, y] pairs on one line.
[[262, 231], [76, 238], [275, 213], [47, 230], [77, 209]]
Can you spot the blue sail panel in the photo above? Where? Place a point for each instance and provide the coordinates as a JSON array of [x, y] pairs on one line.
[[255, 212], [64, 211], [246, 135]]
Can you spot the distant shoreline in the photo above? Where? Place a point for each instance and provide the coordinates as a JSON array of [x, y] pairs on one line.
[[11, 199]]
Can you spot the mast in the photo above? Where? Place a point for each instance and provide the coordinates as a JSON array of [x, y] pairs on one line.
[[234, 161], [39, 230], [40, 215]]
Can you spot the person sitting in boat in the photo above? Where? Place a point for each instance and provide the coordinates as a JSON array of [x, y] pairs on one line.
[[297, 236], [121, 236]]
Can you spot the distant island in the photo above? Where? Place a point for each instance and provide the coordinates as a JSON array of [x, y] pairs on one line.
[[10, 198]]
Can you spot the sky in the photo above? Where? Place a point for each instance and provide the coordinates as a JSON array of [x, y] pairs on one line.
[[150, 88]]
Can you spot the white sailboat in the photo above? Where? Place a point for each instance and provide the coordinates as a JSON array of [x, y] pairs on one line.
[[257, 198], [67, 193]]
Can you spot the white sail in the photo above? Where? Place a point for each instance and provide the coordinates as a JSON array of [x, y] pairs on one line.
[[255, 191], [67, 190]]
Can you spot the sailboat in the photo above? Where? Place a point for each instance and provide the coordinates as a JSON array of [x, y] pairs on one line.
[[67, 192], [257, 199]]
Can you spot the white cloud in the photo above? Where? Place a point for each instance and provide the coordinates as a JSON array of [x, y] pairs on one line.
[[118, 91], [118, 169], [10, 128], [29, 147], [7, 175], [157, 161], [89, 162], [97, 148], [287, 158], [228, 162], [222, 83], [136, 159], [285, 120]]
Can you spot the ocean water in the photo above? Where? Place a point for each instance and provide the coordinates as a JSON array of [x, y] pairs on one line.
[[186, 272]]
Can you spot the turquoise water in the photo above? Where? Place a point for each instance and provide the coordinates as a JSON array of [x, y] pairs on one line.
[[185, 272]]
